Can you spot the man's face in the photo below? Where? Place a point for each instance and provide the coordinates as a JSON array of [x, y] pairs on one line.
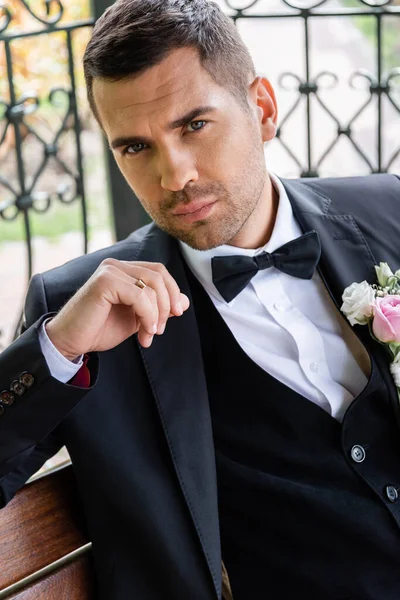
[[193, 155]]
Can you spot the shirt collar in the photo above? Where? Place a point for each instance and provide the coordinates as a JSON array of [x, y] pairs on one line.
[[285, 230]]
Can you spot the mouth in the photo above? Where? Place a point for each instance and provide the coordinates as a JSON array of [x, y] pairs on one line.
[[195, 211]]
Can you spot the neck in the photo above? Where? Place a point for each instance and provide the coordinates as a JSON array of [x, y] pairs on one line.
[[258, 229]]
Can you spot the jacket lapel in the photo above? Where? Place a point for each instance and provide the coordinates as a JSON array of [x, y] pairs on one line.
[[175, 370], [346, 258]]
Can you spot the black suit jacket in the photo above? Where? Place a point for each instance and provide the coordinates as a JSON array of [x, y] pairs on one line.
[[140, 438]]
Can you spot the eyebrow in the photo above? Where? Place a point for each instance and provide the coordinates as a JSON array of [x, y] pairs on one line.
[[188, 118]]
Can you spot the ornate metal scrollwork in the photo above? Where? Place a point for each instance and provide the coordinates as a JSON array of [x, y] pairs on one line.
[[309, 90], [304, 4], [40, 202], [26, 105], [48, 4], [22, 194], [325, 81], [376, 3], [5, 17], [392, 86], [246, 5]]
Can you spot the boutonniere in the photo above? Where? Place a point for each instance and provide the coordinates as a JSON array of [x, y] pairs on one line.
[[378, 306]]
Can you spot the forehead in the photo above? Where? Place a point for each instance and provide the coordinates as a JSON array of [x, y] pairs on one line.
[[159, 94]]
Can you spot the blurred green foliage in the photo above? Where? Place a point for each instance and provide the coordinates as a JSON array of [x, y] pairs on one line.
[[390, 31]]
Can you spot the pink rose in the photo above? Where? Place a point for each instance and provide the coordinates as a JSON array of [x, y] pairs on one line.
[[386, 323]]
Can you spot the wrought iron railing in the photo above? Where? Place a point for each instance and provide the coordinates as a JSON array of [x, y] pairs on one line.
[[380, 83], [23, 199], [22, 196]]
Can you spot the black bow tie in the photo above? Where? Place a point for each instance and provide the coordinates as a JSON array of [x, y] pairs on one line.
[[298, 258]]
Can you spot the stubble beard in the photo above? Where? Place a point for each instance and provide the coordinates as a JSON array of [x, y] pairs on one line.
[[234, 209]]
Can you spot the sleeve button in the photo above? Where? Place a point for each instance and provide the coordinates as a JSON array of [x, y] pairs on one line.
[[17, 388], [7, 398], [27, 379]]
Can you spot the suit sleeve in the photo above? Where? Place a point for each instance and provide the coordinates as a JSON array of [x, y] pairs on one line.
[[34, 403]]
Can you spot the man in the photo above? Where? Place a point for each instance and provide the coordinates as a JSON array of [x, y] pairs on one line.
[[211, 415]]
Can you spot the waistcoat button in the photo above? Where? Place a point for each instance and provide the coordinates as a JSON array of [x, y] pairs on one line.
[[392, 493], [358, 454]]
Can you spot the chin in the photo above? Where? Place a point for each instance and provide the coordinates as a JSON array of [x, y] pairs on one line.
[[203, 241], [203, 236]]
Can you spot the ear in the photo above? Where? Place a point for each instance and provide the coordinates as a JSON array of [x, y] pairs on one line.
[[262, 99]]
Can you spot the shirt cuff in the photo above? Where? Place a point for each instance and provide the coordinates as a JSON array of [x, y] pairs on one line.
[[60, 367]]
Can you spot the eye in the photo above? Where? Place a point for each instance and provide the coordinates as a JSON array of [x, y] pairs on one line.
[[133, 149], [197, 125]]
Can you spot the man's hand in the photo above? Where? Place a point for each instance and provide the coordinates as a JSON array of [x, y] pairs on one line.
[[109, 308]]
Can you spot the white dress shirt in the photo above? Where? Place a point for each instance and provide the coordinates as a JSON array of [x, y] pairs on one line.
[[288, 326], [60, 367]]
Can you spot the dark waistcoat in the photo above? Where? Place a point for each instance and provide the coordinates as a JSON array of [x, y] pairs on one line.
[[308, 506]]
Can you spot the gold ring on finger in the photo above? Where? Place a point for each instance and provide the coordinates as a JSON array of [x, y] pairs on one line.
[[140, 284]]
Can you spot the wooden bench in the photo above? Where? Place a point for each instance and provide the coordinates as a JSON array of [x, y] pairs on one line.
[[44, 548], [45, 553]]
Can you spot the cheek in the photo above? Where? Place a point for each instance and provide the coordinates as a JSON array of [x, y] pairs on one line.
[[140, 179], [216, 155], [232, 149]]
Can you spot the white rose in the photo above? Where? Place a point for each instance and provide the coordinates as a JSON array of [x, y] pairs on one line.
[[358, 300], [384, 273], [395, 370]]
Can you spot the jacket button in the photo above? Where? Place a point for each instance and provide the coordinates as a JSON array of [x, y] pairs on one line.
[[392, 493], [27, 379], [17, 388], [7, 398], [358, 454]]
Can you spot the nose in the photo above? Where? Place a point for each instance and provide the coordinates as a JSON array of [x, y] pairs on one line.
[[177, 170]]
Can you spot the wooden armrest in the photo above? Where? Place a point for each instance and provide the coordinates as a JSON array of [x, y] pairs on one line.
[[44, 543]]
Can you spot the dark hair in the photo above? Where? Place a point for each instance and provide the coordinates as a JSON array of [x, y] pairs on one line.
[[134, 35]]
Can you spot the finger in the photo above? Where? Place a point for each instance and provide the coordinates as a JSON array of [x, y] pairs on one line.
[[145, 309], [144, 339], [153, 279], [122, 290], [185, 302], [146, 312], [156, 282], [172, 287], [152, 274]]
